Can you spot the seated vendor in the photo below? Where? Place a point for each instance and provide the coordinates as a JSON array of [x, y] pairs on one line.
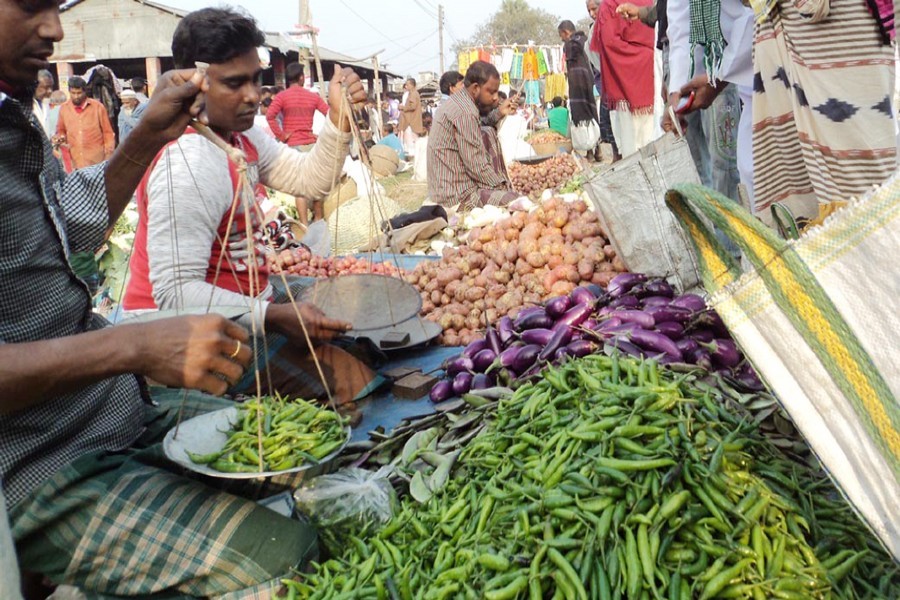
[[391, 140], [465, 164], [193, 247], [92, 500], [558, 117]]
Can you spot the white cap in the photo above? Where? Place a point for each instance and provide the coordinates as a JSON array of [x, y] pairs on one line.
[[127, 94]]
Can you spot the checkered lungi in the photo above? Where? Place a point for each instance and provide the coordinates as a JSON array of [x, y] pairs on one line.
[[132, 523]]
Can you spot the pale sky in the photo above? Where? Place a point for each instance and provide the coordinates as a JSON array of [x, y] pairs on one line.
[[405, 29]]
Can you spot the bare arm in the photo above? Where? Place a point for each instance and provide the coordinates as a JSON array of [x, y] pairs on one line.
[[186, 352]]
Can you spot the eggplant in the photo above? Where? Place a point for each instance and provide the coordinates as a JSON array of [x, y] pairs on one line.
[[557, 307], [642, 318], [441, 391], [622, 283], [537, 336], [595, 289], [534, 320], [654, 301], [655, 287], [746, 375], [582, 295], [672, 330], [483, 360], [724, 353], [576, 315], [610, 322], [505, 330], [590, 324], [507, 358], [712, 320], [482, 382], [560, 355], [530, 310], [562, 335], [687, 345], [701, 358], [580, 348], [525, 358], [655, 341], [691, 302], [617, 330], [462, 383], [493, 341], [670, 313], [458, 365], [625, 302], [704, 336], [474, 348], [626, 347]]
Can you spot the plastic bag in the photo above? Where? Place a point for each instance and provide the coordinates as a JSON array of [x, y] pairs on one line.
[[350, 501], [585, 135]]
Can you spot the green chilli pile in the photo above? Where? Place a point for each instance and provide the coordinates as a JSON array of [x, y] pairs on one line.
[[274, 434], [608, 478]]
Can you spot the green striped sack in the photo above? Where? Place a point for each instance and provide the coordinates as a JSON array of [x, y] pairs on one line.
[[819, 318]]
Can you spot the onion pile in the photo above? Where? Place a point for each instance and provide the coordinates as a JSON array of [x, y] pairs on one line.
[[532, 180], [520, 261], [547, 137], [639, 316], [300, 261]]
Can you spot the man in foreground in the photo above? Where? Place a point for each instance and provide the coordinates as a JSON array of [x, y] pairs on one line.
[[84, 126], [91, 499], [296, 107], [465, 164]]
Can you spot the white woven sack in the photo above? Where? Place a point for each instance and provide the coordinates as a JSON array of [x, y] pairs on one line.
[[855, 433]]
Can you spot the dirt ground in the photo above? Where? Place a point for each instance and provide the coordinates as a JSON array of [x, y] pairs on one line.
[[404, 191]]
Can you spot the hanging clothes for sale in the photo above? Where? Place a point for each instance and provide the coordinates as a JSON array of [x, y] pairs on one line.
[[559, 64], [530, 66], [533, 92], [542, 62], [516, 71], [484, 55], [556, 85], [506, 61], [474, 56], [464, 62]]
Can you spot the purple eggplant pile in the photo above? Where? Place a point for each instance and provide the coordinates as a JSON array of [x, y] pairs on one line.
[[636, 315]]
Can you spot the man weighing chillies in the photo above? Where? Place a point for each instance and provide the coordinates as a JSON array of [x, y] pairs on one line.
[[92, 502]]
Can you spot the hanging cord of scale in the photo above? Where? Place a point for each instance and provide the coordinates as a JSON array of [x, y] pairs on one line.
[[245, 198]]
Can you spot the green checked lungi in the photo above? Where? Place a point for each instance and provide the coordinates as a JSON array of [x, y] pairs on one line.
[[132, 523]]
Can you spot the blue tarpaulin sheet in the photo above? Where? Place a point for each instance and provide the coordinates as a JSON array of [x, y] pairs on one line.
[[384, 409]]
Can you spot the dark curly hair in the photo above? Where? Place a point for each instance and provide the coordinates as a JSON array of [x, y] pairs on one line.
[[214, 35]]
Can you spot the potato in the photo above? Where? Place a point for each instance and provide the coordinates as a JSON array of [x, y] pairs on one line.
[[475, 293]]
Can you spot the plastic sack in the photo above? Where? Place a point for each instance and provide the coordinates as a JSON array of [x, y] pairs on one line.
[[585, 135], [629, 197], [349, 501], [818, 319]]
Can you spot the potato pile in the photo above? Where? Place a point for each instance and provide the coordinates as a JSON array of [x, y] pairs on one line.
[[547, 137], [520, 261], [299, 261], [532, 180]]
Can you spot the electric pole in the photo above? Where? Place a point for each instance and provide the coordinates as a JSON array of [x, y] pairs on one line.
[[441, 33]]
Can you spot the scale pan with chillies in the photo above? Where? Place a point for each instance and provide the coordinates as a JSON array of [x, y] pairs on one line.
[[206, 434]]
